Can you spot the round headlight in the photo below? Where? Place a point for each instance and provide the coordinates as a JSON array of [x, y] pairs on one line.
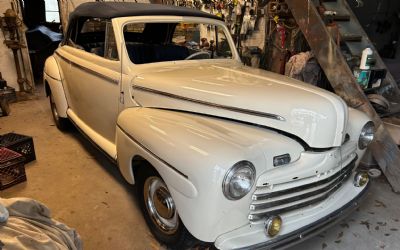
[[367, 135], [239, 180]]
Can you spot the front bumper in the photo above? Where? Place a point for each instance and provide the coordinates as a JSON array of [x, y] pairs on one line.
[[294, 237], [315, 228]]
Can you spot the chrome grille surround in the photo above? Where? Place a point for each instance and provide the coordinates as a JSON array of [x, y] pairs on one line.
[[278, 202]]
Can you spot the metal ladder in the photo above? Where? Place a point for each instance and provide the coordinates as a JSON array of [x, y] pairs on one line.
[[337, 70]]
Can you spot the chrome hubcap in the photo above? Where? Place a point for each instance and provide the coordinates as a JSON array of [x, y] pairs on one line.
[[160, 205]]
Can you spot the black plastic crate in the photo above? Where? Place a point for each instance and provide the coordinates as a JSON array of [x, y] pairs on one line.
[[19, 143], [12, 169]]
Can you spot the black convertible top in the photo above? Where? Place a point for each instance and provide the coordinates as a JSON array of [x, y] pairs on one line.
[[124, 9]]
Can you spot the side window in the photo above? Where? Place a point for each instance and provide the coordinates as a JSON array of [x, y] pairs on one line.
[[94, 35], [110, 44], [72, 35]]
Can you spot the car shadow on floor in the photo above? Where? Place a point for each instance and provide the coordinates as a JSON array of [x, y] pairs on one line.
[[104, 161]]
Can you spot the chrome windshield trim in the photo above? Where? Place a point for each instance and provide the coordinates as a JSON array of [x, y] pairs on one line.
[[90, 71], [240, 110]]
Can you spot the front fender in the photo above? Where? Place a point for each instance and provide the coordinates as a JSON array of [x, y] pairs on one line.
[[357, 120], [199, 150], [53, 83]]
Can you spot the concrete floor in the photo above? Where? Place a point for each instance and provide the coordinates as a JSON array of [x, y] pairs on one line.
[[85, 191]]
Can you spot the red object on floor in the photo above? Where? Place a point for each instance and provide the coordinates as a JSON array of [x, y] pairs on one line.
[[12, 169]]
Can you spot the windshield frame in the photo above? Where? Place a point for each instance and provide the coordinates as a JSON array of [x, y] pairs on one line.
[[123, 21]]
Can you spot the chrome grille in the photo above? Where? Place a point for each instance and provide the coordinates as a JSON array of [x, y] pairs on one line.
[[278, 202]]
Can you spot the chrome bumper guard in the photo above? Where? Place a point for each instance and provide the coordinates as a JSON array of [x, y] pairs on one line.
[[295, 237]]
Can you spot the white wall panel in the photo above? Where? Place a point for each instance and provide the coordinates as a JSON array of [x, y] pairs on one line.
[[7, 64]]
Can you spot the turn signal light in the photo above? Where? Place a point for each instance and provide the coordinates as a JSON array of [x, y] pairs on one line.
[[360, 179], [273, 225], [281, 160]]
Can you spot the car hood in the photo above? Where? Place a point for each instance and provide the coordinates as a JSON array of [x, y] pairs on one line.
[[231, 90]]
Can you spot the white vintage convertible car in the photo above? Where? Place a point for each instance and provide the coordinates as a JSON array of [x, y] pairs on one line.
[[222, 154]]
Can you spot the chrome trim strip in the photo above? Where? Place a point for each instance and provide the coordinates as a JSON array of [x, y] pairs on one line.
[[306, 232], [240, 110], [257, 197], [154, 155], [263, 215], [317, 192], [90, 71], [55, 79]]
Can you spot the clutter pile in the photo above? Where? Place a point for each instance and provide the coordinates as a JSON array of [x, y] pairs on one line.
[[27, 224]]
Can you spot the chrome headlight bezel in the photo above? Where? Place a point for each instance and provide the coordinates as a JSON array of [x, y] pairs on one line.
[[367, 135], [227, 185]]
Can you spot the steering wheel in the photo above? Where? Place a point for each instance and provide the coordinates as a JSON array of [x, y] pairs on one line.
[[198, 54]]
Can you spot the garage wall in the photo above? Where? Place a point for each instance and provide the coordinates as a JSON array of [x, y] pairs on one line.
[[7, 64]]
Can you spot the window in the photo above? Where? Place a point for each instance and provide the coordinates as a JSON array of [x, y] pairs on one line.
[[203, 37], [135, 27], [158, 42], [110, 50], [96, 36], [52, 12]]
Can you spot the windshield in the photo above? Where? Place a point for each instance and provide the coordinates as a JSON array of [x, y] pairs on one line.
[[159, 42]]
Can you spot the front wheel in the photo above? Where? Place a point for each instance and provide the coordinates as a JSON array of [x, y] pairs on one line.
[[160, 212]]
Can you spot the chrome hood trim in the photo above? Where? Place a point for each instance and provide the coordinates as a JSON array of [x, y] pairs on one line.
[[240, 110]]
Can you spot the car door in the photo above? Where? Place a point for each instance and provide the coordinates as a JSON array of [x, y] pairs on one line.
[[92, 80]]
